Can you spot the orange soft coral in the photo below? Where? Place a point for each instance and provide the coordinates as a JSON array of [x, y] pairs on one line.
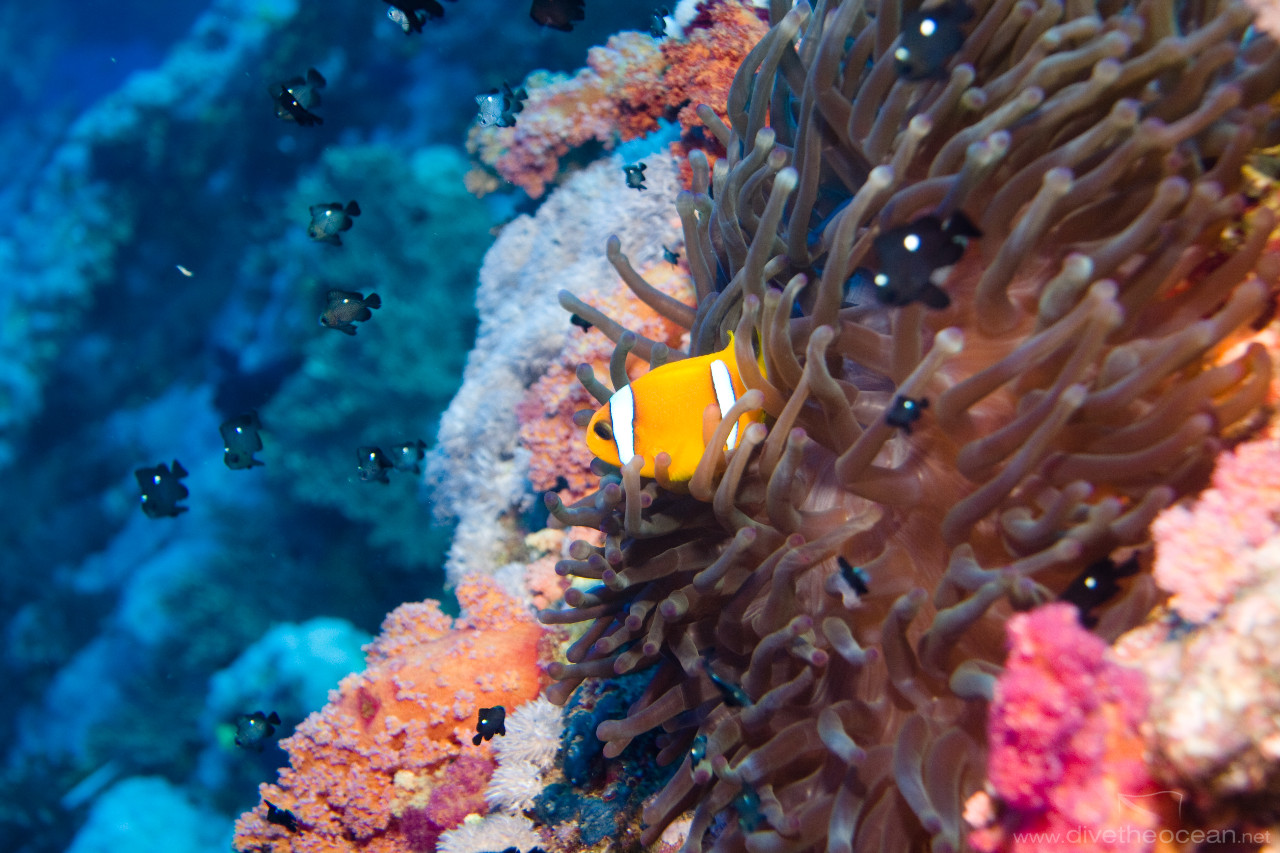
[[563, 113], [391, 732], [546, 412], [627, 86]]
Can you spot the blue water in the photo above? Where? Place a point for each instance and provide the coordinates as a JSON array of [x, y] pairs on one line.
[[156, 278]]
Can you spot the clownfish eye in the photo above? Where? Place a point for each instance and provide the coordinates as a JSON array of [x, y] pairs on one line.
[[604, 432]]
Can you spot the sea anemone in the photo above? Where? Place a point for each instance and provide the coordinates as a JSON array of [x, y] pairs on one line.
[[1077, 381]]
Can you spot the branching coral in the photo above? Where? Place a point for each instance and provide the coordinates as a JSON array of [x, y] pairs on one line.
[[1074, 379]]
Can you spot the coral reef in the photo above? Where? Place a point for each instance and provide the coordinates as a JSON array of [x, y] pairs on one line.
[[478, 468], [394, 734], [546, 411], [148, 814], [627, 87], [1077, 382], [1210, 657], [381, 380], [1205, 553], [1066, 753]]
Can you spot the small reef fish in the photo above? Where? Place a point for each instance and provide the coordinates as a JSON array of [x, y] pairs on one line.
[[658, 22], [911, 254], [557, 14], [500, 106], [409, 456], [295, 98], [373, 465], [412, 14], [253, 729], [904, 411], [162, 489], [661, 412], [670, 255], [854, 576], [240, 440], [930, 37], [327, 220], [490, 722], [282, 817], [581, 323], [1097, 584], [635, 176], [346, 308]]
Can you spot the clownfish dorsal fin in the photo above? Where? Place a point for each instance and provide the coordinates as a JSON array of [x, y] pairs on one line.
[[757, 349]]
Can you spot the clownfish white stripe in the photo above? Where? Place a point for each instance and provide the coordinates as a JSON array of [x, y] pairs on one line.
[[725, 398], [622, 417]]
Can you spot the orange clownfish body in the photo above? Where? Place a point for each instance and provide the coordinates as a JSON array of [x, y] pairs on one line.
[[661, 412]]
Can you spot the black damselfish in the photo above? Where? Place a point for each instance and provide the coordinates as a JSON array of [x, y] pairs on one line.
[[413, 13], [930, 37], [490, 722], [557, 14], [240, 440], [373, 465], [162, 489], [252, 730], [911, 254], [296, 96]]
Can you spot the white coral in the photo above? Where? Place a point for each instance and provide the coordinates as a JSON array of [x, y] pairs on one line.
[[489, 833], [525, 755], [477, 470], [533, 734], [514, 786]]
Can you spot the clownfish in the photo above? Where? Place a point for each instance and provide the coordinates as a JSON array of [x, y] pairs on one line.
[[661, 412]]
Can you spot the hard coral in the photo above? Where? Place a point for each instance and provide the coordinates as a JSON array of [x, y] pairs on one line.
[[1066, 752], [394, 733], [1075, 382]]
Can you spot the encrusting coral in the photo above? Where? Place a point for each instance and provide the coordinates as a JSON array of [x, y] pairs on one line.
[[1075, 381]]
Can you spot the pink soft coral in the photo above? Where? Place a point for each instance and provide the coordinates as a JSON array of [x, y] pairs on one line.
[[1202, 550], [1066, 763]]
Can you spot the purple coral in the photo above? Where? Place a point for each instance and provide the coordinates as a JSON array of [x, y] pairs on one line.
[[459, 793]]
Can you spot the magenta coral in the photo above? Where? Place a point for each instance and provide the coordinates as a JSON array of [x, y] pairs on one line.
[[459, 793], [1065, 748]]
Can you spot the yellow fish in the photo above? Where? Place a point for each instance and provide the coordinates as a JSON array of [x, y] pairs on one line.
[[661, 412]]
